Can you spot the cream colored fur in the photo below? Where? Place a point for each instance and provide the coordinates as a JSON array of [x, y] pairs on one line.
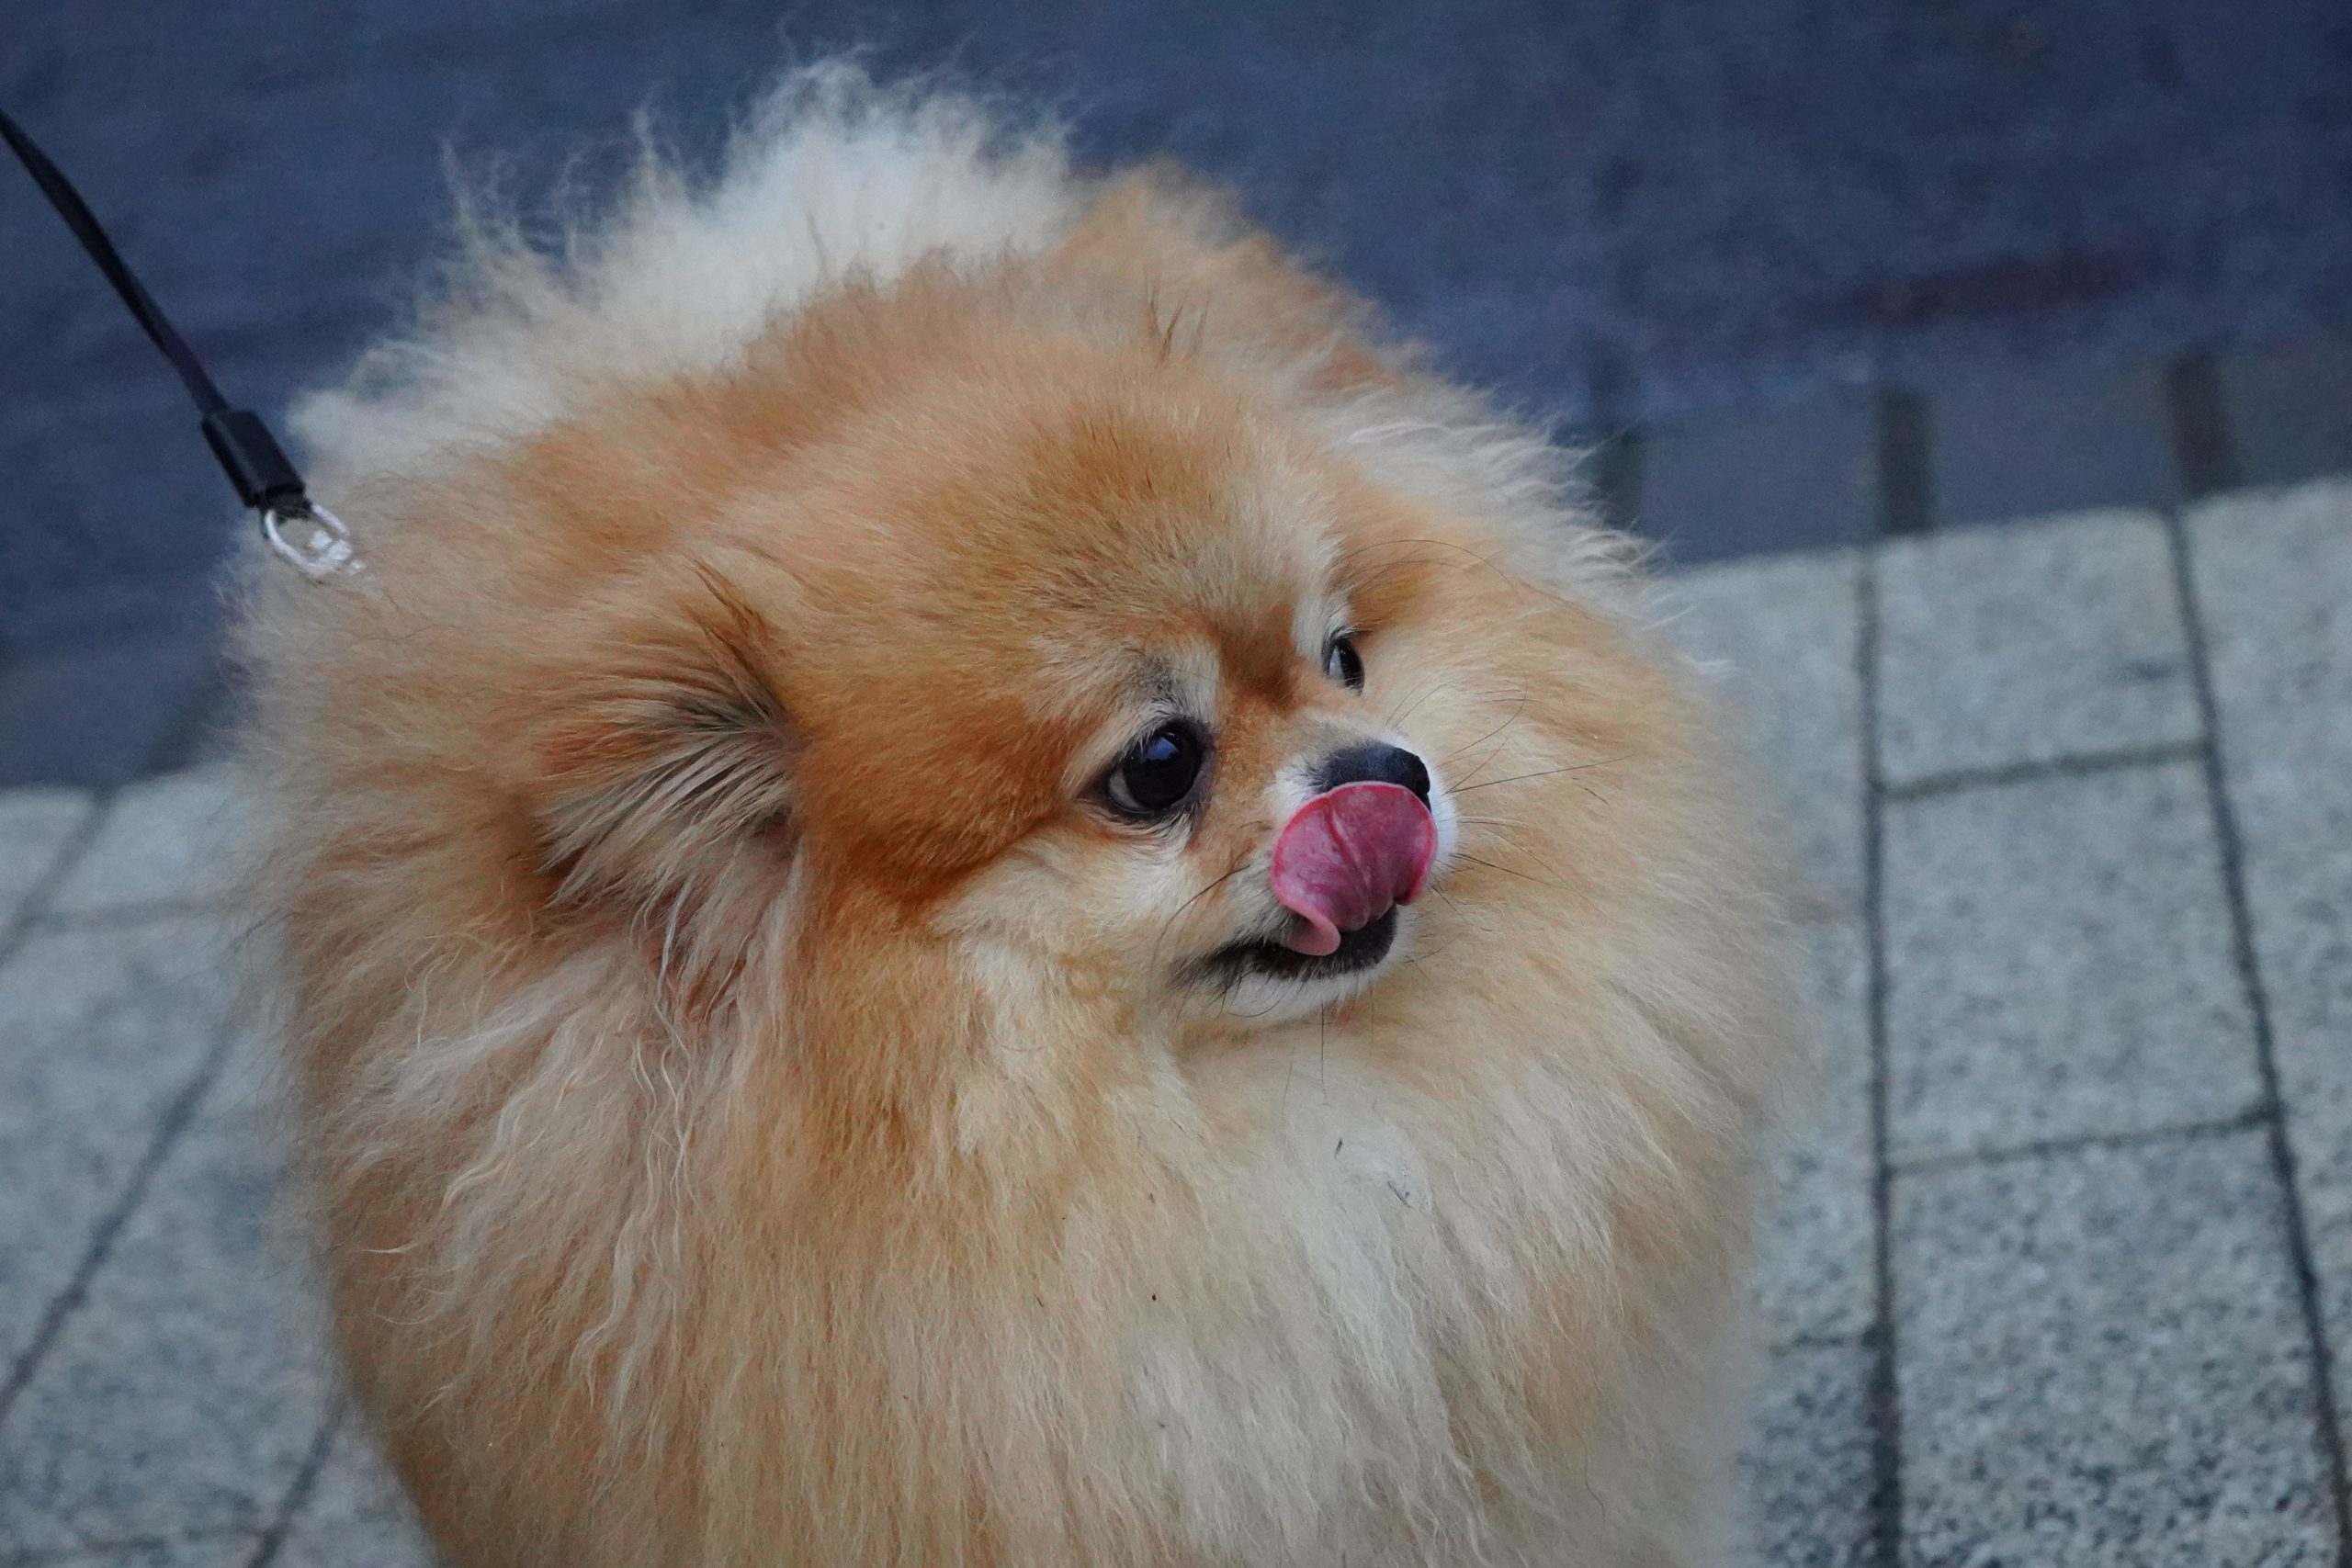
[[756, 1112]]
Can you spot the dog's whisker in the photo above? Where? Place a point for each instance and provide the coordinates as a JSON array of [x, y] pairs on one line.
[[1323, 1049], [1516, 709], [1463, 915], [1541, 774], [1168, 924], [1409, 712], [1505, 870], [1519, 827], [1487, 760], [1417, 694]]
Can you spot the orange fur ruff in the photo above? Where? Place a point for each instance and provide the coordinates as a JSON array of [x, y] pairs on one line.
[[762, 1110]]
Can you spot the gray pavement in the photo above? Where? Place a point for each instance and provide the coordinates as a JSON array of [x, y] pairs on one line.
[[2060, 1262]]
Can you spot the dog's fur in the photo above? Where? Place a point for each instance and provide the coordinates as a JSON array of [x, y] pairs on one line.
[[761, 1108]]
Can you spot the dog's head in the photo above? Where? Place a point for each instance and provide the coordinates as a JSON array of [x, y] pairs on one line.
[[1109, 629], [1066, 648], [1036, 632]]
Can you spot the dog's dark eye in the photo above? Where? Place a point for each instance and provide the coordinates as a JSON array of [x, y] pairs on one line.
[[1157, 776], [1343, 663]]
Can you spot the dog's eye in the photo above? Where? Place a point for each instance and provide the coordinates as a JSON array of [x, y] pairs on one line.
[[1159, 776], [1343, 663]]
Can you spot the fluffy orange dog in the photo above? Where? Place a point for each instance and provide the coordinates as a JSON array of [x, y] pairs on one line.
[[972, 884]]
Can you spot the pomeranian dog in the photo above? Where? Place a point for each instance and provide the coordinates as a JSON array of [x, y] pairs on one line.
[[974, 883]]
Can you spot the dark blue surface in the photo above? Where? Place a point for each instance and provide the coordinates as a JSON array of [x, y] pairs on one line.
[[1672, 207]]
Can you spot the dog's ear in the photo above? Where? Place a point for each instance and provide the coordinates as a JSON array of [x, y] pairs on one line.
[[664, 765]]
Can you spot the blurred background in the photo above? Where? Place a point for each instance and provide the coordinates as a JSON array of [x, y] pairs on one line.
[[1980, 368], [1804, 270]]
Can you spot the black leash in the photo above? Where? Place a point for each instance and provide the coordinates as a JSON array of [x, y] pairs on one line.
[[264, 478]]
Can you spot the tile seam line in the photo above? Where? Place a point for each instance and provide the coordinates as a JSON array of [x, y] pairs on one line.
[[2254, 1120], [34, 912], [1796, 1344], [298, 1493], [66, 1556], [2231, 848], [58, 1308], [2077, 764], [69, 1300], [125, 917], [1885, 1386], [33, 918]]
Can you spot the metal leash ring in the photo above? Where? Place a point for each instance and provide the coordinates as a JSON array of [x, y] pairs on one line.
[[327, 551]]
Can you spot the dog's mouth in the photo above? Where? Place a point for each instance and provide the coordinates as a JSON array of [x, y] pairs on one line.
[[1359, 950]]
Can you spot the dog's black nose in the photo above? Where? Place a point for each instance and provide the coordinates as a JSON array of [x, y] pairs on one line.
[[1374, 762]]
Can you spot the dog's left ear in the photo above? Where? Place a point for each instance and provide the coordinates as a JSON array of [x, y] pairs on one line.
[[665, 762]]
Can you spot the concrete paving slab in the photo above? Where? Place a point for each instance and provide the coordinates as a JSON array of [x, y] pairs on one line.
[[182, 839], [1815, 1278], [102, 1031], [2028, 644], [37, 828], [2102, 1361], [2273, 577], [191, 1386], [1781, 640], [2059, 964], [356, 1517], [1808, 1462]]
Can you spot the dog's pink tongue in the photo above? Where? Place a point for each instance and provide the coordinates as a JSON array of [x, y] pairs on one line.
[[1347, 856]]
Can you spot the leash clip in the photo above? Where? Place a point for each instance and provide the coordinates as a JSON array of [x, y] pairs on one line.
[[264, 478], [324, 549]]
